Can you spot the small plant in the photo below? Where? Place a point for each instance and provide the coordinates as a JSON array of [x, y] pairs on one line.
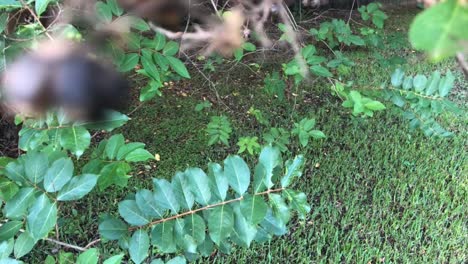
[[336, 32], [371, 37], [203, 105], [314, 62], [362, 105], [278, 137], [304, 130], [250, 144], [372, 11], [239, 53], [258, 116], [274, 85], [219, 130]]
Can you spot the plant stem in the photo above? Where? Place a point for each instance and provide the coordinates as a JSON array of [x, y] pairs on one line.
[[202, 209], [36, 17]]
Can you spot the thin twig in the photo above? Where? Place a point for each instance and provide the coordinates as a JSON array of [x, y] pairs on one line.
[[463, 64], [36, 17], [351, 12], [55, 241]]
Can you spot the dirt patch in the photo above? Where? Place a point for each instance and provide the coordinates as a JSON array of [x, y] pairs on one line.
[[8, 136]]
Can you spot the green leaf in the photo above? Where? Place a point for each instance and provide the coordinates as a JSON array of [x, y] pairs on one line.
[[218, 181], [8, 189], [90, 256], [113, 145], [254, 208], [220, 223], [127, 148], [199, 184], [408, 83], [433, 83], [320, 71], [15, 172], [164, 194], [147, 204], [37, 164], [139, 246], [237, 173], [149, 66], [397, 78], [103, 11], [161, 61], [178, 66], [206, 248], [244, 231], [195, 227], [171, 48], [446, 84], [41, 218], [58, 175], [114, 6], [114, 173], [17, 206], [9, 229], [160, 40], [150, 91], [129, 63], [279, 207], [31, 139], [131, 213], [441, 29], [293, 169], [41, 6], [378, 18], [75, 139], [49, 260], [113, 229], [260, 175], [140, 24], [23, 245], [270, 158], [177, 260], [162, 236], [3, 24], [375, 106], [317, 134], [315, 59], [248, 46], [78, 187], [117, 259], [7, 260], [273, 224], [298, 201], [238, 54], [113, 120], [308, 51], [139, 155], [419, 82], [6, 248], [182, 190]]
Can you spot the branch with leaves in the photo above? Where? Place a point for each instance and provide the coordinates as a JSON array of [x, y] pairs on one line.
[[197, 211]]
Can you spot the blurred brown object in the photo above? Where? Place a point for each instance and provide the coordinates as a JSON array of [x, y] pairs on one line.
[[62, 74]]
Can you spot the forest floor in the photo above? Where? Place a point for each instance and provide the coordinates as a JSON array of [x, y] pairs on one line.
[[379, 192]]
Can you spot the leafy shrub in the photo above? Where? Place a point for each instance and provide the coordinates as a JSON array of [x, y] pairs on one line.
[[304, 130], [198, 211], [219, 130]]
